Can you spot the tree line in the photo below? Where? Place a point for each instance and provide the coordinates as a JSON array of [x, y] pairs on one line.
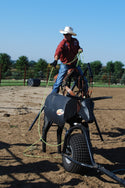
[[113, 71]]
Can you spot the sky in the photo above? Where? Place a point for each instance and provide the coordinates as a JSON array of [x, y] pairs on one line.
[[31, 28]]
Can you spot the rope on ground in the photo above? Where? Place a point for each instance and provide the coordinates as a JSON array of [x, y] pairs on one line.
[[77, 57], [41, 139]]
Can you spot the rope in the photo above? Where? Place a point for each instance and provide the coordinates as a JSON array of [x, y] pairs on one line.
[[31, 147], [43, 100], [55, 145], [75, 58]]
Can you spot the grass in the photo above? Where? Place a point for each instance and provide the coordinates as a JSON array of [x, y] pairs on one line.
[[43, 84], [107, 85], [20, 83]]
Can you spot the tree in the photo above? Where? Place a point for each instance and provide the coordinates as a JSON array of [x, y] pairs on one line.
[[41, 68], [5, 62], [118, 67], [118, 70], [22, 62], [110, 67], [96, 67], [123, 79], [22, 65], [83, 66], [31, 69], [32, 63]]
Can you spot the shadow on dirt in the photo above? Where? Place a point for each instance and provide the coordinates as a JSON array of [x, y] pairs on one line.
[[114, 155], [22, 168], [48, 184], [105, 109], [36, 167], [120, 132], [7, 147], [26, 170]]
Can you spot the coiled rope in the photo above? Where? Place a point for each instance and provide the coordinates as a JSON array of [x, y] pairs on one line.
[[31, 147], [77, 57]]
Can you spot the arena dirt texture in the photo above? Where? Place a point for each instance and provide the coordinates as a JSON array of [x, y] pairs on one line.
[[19, 107]]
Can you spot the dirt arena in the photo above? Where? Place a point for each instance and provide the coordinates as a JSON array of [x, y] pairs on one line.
[[22, 166]]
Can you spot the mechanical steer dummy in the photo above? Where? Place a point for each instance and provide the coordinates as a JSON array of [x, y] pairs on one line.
[[58, 109]]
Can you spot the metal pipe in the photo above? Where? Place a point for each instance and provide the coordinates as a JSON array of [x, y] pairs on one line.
[[36, 118]]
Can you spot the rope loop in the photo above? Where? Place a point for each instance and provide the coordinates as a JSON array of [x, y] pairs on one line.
[[77, 57]]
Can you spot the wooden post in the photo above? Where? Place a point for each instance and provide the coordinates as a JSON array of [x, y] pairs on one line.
[[0, 72], [109, 79], [24, 75]]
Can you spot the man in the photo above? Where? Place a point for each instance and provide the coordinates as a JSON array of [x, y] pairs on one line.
[[66, 51]]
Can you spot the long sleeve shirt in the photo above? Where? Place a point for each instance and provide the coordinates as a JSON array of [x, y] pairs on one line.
[[67, 50]]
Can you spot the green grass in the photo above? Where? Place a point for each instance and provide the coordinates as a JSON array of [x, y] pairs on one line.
[[107, 85], [11, 83], [21, 83], [43, 84]]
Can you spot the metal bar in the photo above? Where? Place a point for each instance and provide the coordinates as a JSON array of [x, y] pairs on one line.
[[101, 98], [98, 129], [98, 167], [111, 175], [77, 162], [36, 118]]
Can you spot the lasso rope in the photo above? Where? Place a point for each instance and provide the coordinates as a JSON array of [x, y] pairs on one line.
[[54, 145], [41, 139], [77, 57], [31, 147]]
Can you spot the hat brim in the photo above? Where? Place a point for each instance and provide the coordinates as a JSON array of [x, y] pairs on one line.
[[65, 32]]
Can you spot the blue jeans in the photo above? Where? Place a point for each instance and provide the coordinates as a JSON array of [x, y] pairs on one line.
[[62, 72]]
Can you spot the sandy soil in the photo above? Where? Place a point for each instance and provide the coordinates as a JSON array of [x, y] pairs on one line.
[[19, 107]]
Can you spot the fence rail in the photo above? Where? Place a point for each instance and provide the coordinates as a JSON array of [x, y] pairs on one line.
[[13, 82], [13, 77]]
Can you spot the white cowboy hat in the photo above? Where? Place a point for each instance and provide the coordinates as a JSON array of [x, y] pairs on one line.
[[68, 30]]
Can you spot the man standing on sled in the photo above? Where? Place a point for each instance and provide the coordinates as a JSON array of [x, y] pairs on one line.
[[66, 51]]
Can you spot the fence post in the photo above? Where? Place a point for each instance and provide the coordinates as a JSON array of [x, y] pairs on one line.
[[109, 79], [24, 75], [0, 72]]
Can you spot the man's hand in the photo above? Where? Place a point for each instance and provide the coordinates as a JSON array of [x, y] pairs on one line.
[[80, 50], [54, 63]]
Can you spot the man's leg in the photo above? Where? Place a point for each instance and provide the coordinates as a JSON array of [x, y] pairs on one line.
[[62, 71]]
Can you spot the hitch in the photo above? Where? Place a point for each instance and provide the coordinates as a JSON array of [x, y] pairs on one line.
[[98, 168], [93, 164]]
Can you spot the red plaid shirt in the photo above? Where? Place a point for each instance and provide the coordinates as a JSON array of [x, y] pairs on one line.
[[67, 50]]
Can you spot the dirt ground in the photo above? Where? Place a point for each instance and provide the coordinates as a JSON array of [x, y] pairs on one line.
[[26, 166]]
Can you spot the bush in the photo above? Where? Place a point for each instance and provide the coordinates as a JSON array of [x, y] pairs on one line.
[[123, 79], [104, 78]]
